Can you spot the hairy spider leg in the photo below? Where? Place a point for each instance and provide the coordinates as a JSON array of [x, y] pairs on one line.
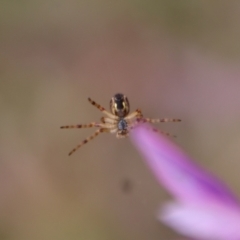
[[93, 124], [87, 140], [109, 120], [162, 132], [151, 120], [102, 109], [143, 120], [136, 114], [104, 127]]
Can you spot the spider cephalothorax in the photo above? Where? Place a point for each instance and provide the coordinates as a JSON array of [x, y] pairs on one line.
[[117, 121]]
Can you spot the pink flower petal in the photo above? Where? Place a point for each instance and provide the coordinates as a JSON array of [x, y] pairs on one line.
[[176, 171], [210, 223], [204, 208]]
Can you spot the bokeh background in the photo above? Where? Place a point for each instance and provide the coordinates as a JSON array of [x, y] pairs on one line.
[[171, 58]]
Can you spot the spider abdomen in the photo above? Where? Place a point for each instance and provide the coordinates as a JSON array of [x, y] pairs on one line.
[[122, 128], [122, 125], [119, 105]]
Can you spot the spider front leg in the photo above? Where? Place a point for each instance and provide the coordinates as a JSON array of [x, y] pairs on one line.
[[135, 114], [109, 120], [102, 109]]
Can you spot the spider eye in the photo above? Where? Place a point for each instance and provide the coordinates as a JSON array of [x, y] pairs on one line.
[[119, 105]]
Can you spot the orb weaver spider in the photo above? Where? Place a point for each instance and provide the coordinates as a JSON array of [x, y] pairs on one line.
[[118, 120]]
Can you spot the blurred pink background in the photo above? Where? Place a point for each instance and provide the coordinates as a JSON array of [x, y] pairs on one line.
[[178, 59]]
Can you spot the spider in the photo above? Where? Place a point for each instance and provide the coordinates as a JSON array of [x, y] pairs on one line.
[[117, 121]]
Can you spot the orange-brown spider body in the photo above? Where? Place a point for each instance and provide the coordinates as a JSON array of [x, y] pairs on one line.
[[118, 121]]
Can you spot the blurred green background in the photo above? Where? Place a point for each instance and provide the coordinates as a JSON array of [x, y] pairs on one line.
[[171, 58]]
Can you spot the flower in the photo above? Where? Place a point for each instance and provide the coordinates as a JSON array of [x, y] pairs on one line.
[[203, 207]]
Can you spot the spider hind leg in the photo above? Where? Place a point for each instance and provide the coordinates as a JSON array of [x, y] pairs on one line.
[[143, 120], [152, 120], [162, 132], [92, 124], [86, 140]]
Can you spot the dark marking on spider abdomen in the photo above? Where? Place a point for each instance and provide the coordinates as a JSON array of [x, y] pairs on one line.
[[119, 105], [119, 101]]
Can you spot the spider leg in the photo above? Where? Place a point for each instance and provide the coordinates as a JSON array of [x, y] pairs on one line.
[[109, 120], [102, 109], [92, 124], [134, 114], [139, 121], [87, 140], [114, 130], [162, 132], [151, 120], [132, 125]]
